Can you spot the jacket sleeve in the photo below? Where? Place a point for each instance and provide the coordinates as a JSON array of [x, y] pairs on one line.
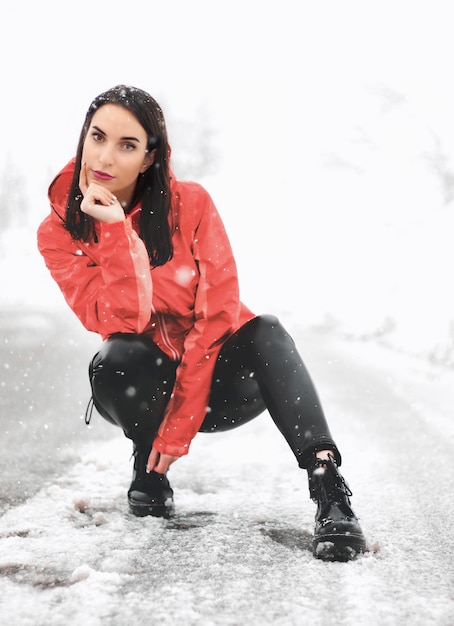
[[111, 290], [217, 307]]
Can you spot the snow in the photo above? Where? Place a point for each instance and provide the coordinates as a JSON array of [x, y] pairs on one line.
[[342, 131], [238, 549]]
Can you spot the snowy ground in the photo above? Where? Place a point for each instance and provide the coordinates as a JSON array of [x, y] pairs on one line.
[[238, 549], [362, 169]]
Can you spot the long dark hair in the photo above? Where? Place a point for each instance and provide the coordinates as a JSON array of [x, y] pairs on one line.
[[152, 188]]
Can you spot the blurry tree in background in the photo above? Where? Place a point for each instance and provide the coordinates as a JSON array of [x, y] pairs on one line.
[[192, 140], [441, 165], [14, 207]]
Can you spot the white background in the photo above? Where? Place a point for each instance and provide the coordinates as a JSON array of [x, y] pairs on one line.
[[331, 131]]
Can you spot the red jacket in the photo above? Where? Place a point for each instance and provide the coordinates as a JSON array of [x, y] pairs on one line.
[[189, 306]]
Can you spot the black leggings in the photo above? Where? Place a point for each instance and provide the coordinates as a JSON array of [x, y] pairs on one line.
[[257, 368]]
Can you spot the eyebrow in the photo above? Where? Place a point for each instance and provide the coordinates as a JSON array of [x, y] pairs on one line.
[[121, 138]]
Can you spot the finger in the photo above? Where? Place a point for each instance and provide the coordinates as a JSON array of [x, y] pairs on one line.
[[162, 466], [83, 182], [102, 196], [152, 460], [97, 195], [165, 461]]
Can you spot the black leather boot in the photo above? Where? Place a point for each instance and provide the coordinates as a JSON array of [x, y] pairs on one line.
[[149, 493], [338, 535]]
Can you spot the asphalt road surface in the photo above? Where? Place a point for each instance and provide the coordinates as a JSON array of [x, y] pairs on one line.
[[238, 550], [44, 392]]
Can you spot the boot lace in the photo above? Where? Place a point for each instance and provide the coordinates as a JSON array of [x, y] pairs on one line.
[[327, 483]]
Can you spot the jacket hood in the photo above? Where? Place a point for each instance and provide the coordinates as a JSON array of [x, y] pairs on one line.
[[59, 189]]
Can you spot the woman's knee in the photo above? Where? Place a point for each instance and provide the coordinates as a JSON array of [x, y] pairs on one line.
[[126, 350], [131, 381], [125, 359], [263, 333]]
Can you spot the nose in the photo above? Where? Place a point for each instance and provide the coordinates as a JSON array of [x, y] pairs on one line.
[[105, 154]]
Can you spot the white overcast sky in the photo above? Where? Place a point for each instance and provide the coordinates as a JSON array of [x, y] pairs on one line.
[[266, 70], [324, 114]]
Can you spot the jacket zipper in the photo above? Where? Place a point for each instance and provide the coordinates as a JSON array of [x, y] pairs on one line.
[[164, 335]]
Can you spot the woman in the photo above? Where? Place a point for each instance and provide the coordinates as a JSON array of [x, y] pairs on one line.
[[144, 260]]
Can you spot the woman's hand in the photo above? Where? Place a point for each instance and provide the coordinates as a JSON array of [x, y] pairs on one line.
[[98, 201], [160, 463]]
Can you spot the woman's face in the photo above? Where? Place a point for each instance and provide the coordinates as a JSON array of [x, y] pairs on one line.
[[115, 151]]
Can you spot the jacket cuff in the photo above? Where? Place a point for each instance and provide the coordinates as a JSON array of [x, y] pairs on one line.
[[164, 448], [123, 226]]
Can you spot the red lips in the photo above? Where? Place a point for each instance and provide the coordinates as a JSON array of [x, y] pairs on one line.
[[102, 175]]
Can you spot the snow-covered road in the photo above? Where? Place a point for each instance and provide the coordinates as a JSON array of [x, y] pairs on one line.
[[238, 549]]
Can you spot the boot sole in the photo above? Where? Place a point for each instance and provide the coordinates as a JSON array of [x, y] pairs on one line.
[[338, 547], [141, 509]]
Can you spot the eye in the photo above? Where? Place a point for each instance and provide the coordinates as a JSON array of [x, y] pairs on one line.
[[97, 136], [129, 147]]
